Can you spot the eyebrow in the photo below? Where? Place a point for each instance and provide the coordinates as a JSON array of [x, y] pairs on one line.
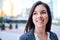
[[34, 11], [42, 10]]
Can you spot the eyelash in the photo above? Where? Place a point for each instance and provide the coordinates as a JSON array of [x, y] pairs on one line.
[[34, 13], [43, 12]]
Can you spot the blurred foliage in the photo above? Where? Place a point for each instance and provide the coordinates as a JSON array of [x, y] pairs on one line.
[[1, 19]]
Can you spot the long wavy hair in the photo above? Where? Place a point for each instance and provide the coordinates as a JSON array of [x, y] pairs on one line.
[[30, 24]]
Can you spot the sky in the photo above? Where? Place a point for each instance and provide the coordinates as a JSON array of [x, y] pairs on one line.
[[1, 2], [28, 4]]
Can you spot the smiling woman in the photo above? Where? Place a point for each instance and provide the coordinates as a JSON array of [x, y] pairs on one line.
[[40, 16], [38, 26]]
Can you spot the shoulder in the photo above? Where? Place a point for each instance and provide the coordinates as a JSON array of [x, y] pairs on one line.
[[53, 36], [23, 37], [26, 35], [0, 38]]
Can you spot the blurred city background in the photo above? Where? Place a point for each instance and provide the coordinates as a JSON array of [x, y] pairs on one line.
[[14, 15]]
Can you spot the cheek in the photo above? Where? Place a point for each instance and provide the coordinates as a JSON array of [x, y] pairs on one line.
[[46, 19], [33, 18]]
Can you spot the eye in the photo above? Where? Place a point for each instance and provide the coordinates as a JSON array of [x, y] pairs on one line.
[[34, 13], [44, 12]]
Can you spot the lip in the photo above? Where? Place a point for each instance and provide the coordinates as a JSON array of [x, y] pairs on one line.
[[40, 21]]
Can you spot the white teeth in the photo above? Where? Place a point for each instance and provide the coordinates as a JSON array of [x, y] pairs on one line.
[[39, 21]]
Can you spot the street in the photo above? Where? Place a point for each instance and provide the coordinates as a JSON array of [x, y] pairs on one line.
[[14, 34]]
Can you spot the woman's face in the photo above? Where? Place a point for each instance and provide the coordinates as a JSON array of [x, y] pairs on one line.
[[40, 16]]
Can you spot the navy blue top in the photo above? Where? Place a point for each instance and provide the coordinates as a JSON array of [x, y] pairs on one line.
[[0, 38], [30, 36]]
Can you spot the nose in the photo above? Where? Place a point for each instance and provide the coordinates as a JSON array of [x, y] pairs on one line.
[[39, 15]]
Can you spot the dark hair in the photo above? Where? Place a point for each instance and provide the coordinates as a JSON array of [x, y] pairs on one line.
[[30, 23]]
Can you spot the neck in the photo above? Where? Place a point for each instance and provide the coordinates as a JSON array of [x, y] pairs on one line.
[[41, 33], [40, 30]]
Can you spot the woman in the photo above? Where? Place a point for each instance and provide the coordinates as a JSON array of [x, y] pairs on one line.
[[39, 23]]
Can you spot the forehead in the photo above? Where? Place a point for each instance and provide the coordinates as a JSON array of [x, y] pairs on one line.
[[40, 7]]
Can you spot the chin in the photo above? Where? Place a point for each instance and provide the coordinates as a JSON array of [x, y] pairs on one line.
[[40, 25]]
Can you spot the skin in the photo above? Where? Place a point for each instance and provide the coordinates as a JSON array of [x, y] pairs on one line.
[[40, 19]]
